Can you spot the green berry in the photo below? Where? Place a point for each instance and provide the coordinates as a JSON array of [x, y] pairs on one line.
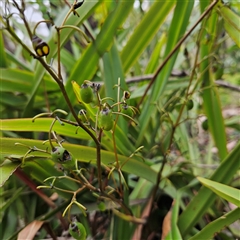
[[126, 110], [106, 119], [86, 93], [61, 155], [189, 104], [205, 125], [83, 115], [77, 231]]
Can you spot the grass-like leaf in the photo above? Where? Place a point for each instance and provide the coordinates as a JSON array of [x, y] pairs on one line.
[[81, 153], [87, 65], [228, 193], [42, 125], [144, 32], [217, 225], [205, 197], [181, 14]]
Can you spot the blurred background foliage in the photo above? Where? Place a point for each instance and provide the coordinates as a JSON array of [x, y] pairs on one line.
[[188, 121]]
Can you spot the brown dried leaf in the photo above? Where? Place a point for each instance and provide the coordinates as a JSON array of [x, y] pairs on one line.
[[30, 230], [146, 212], [166, 226]]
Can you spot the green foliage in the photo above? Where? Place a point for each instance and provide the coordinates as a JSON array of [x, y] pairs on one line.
[[77, 231], [100, 147]]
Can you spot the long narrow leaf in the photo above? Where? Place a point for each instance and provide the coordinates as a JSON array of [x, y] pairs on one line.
[[205, 197], [144, 32], [217, 225], [210, 94], [15, 80], [87, 65], [41, 125], [81, 153], [231, 23], [229, 193], [3, 58], [178, 27]]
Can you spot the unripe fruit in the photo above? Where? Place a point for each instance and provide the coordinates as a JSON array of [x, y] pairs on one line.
[[61, 155], [205, 125], [86, 93], [189, 104], [105, 119], [83, 115], [126, 110], [77, 231], [126, 95], [40, 47]]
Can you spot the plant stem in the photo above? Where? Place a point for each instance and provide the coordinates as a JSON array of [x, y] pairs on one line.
[[77, 29], [175, 49], [59, 54], [65, 95], [159, 175]]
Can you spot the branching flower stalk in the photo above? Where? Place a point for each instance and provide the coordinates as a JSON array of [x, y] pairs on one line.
[[114, 141], [77, 29], [57, 77], [211, 6], [21, 11], [187, 93], [65, 95], [43, 21]]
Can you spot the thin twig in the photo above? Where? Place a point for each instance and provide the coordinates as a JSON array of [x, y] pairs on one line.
[[65, 95], [227, 85], [175, 49], [219, 82], [174, 126]]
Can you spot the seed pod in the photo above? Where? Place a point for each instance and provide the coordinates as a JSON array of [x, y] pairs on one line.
[[96, 87], [83, 115], [86, 93], [126, 95], [61, 155], [77, 231], [40, 47], [205, 125], [77, 5], [126, 110], [189, 104], [106, 119]]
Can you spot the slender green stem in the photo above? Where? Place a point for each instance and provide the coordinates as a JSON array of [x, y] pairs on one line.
[[99, 165], [77, 29], [191, 77], [43, 21], [68, 13], [59, 54], [50, 132]]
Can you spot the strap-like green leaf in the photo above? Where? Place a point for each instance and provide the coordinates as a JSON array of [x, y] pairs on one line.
[[177, 29], [217, 225], [231, 23], [144, 32], [42, 125], [3, 58], [229, 193], [81, 153], [205, 197], [7, 168], [87, 65]]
